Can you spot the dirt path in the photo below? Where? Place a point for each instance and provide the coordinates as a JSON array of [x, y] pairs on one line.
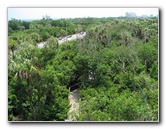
[[74, 109]]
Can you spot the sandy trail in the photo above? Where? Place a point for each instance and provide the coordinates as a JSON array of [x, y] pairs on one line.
[[74, 109]]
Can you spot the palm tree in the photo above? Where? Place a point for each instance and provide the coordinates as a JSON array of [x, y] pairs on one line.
[[25, 67], [12, 45]]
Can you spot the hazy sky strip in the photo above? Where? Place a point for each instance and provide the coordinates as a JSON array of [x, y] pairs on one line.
[[38, 13]]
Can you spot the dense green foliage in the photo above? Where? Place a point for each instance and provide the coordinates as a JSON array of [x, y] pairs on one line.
[[116, 65]]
